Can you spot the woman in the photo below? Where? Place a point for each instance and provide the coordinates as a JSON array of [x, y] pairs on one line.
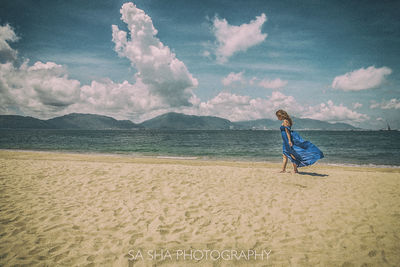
[[301, 153]]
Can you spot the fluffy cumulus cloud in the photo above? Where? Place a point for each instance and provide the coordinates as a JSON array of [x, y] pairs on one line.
[[240, 107], [233, 78], [158, 68], [116, 98], [7, 35], [334, 113], [390, 104], [231, 39], [237, 107], [361, 79], [38, 90]]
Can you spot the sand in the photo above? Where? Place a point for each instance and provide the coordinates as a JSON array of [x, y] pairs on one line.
[[65, 209]]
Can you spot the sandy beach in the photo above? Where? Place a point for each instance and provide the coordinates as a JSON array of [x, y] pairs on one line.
[[65, 209]]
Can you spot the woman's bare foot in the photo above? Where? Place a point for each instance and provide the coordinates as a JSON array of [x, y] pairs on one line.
[[295, 168], [282, 171]]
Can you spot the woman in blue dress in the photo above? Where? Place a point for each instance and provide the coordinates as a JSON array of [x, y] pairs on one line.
[[301, 153]]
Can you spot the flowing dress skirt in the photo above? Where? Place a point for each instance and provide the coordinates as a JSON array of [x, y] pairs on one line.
[[302, 153]]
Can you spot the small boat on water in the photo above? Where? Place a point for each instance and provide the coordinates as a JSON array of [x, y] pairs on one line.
[[387, 129]]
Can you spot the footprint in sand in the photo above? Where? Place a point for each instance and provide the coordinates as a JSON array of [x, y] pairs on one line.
[[347, 264], [54, 249], [372, 253]]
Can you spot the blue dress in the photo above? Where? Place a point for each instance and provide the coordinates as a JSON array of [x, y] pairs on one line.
[[302, 153]]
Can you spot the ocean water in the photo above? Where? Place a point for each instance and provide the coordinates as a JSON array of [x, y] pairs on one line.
[[339, 147]]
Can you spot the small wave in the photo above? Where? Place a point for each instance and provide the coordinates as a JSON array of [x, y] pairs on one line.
[[361, 165], [174, 157]]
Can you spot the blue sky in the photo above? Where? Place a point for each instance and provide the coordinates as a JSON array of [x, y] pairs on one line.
[[307, 45]]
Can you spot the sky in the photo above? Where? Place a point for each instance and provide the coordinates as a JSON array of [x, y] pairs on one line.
[[336, 61]]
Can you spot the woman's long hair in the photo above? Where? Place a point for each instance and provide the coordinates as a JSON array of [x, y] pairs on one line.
[[284, 115]]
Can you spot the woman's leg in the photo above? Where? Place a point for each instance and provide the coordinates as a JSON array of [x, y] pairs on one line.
[[295, 168], [284, 163]]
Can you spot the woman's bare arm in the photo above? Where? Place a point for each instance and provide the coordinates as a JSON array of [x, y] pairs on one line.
[[286, 123], [288, 136]]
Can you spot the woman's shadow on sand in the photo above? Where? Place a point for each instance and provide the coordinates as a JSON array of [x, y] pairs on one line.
[[313, 174]]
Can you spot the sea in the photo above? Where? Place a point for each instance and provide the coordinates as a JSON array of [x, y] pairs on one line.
[[352, 148]]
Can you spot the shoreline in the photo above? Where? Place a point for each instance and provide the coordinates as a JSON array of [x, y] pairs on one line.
[[201, 159]]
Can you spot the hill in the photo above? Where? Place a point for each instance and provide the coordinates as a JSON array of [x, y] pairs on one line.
[[70, 121], [90, 121], [22, 122], [178, 121]]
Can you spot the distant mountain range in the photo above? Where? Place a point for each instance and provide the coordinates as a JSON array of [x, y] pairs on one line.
[[70, 121], [167, 121]]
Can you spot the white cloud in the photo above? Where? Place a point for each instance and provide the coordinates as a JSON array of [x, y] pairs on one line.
[[253, 80], [231, 39], [333, 113], [158, 68], [206, 54], [361, 79], [239, 79], [117, 98], [37, 90], [233, 78], [390, 104], [241, 107], [279, 100], [7, 34], [41, 89], [357, 105], [272, 84]]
